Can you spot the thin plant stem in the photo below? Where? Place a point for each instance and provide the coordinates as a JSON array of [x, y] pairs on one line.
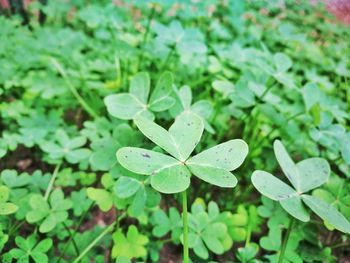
[[14, 228], [118, 70], [185, 227], [52, 181], [346, 244], [249, 234], [71, 238], [95, 241], [74, 91], [145, 36], [285, 241], [169, 56]]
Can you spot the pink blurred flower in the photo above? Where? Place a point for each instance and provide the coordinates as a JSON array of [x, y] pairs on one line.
[[340, 8], [4, 4]]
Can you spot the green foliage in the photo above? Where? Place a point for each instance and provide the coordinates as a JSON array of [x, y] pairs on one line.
[[206, 232], [30, 248], [170, 88], [164, 224], [131, 245], [241, 224], [304, 176], [126, 106], [6, 208], [48, 213], [248, 253], [66, 148], [335, 192], [172, 175]]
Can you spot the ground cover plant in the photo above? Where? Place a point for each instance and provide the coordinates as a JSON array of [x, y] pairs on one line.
[[168, 131]]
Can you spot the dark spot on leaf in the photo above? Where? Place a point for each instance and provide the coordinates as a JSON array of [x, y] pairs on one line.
[[281, 196], [146, 155]]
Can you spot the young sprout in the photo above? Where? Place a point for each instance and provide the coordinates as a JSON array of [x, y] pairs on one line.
[[304, 176], [172, 173]]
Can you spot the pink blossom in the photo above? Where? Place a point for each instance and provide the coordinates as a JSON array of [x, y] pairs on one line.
[[340, 8]]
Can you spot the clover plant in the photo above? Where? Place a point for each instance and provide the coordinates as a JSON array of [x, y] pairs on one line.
[[171, 174], [48, 214], [81, 83], [31, 248], [6, 207], [126, 106], [131, 245], [304, 176]]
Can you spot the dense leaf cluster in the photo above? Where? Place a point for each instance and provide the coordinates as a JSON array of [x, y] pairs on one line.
[[109, 110]]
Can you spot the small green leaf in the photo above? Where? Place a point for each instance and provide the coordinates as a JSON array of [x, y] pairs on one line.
[[7, 208], [140, 86], [130, 246], [102, 197], [228, 155], [126, 187], [124, 106], [161, 93], [287, 165], [172, 179], [4, 193], [138, 203], [186, 132], [295, 207], [328, 213], [271, 186], [158, 135], [313, 173], [48, 224], [142, 161], [213, 175]]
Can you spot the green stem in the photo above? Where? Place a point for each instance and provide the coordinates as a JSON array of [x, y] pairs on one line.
[[74, 91], [249, 234], [15, 227], [52, 180], [340, 245], [285, 241], [150, 18], [94, 242], [71, 238], [185, 227], [145, 36], [169, 56]]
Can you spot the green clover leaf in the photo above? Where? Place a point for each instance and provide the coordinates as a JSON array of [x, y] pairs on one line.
[[241, 223], [29, 248], [130, 246], [203, 108], [102, 197], [206, 232], [66, 148], [172, 174], [6, 208], [104, 149], [336, 193], [48, 214], [163, 224], [304, 176], [126, 106]]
